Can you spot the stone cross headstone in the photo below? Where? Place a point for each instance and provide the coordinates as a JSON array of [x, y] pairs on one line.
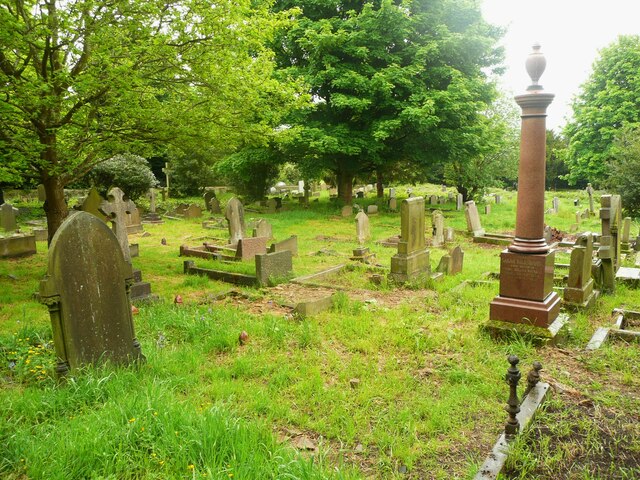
[[87, 295], [625, 237], [412, 259], [363, 230], [165, 191], [234, 213], [152, 196], [579, 289], [459, 202], [8, 217], [93, 203], [473, 219], [437, 221], [589, 190], [116, 207], [263, 229]]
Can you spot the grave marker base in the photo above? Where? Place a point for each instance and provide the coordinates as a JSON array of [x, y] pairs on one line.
[[554, 334]]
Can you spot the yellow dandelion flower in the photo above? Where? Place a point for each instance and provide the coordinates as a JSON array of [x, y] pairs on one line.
[[131, 420], [142, 429], [190, 466]]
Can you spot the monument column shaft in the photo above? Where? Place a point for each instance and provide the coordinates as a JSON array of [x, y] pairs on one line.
[[529, 236]]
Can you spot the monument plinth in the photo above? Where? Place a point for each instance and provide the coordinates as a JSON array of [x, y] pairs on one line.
[[527, 301]]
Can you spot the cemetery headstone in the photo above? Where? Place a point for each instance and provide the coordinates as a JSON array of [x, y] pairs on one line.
[[473, 219], [214, 206], [234, 213], [498, 199], [347, 211], [589, 191], [248, 248], [372, 209], [579, 290], [8, 217], [87, 295], [133, 221], [192, 211], [92, 204], [437, 221], [451, 263], [459, 202], [42, 193], [116, 208], [433, 200], [578, 218], [449, 234], [263, 229], [412, 259], [208, 196], [363, 231], [290, 244], [152, 215], [487, 209], [609, 250], [526, 297], [273, 266], [392, 193], [393, 204], [271, 205], [556, 204], [17, 245], [625, 237]]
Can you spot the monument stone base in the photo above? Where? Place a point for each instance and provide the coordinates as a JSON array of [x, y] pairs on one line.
[[554, 334], [580, 298], [405, 267]]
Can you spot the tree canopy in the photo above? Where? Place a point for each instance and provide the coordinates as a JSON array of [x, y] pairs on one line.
[[391, 81], [82, 80], [608, 101]]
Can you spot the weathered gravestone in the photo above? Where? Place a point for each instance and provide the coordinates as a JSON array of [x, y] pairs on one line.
[[347, 211], [214, 206], [87, 292], [248, 248], [42, 193], [589, 191], [459, 202], [290, 244], [116, 208], [271, 205], [393, 204], [625, 237], [555, 204], [92, 204], [451, 263], [8, 217], [372, 209], [433, 200], [412, 259], [263, 229], [498, 199], [134, 222], [392, 193], [208, 196], [487, 209], [449, 234], [271, 267], [234, 213], [152, 216], [17, 246], [437, 222], [579, 290], [192, 211], [363, 230], [609, 250], [473, 219]]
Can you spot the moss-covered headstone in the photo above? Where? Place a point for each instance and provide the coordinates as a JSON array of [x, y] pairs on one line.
[[87, 291]]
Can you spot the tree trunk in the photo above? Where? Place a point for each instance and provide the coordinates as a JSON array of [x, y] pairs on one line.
[[379, 184], [1, 197], [55, 206], [345, 186]]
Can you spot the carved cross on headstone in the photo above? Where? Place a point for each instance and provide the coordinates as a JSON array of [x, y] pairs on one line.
[[116, 208]]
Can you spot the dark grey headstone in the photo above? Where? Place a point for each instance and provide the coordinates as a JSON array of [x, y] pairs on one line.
[[86, 290]]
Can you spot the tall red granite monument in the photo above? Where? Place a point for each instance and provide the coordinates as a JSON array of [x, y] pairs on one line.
[[527, 301]]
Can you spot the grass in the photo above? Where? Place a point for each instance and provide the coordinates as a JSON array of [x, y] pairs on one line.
[[390, 380]]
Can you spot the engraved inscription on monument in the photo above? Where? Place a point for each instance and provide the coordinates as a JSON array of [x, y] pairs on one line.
[[524, 272]]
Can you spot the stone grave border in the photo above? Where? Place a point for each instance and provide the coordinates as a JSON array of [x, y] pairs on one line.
[[619, 329]]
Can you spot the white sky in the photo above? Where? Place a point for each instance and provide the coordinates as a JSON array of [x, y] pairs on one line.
[[571, 33]]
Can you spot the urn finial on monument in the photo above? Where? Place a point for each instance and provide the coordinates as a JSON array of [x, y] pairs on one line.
[[535, 65]]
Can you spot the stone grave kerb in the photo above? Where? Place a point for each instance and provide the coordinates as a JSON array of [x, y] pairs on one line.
[[116, 208], [86, 290]]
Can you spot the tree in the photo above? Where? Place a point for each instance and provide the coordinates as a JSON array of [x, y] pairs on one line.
[[556, 167], [82, 80], [392, 82], [609, 100], [624, 169], [496, 160]]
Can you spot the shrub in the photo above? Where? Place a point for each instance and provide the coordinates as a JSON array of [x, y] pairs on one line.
[[131, 173]]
